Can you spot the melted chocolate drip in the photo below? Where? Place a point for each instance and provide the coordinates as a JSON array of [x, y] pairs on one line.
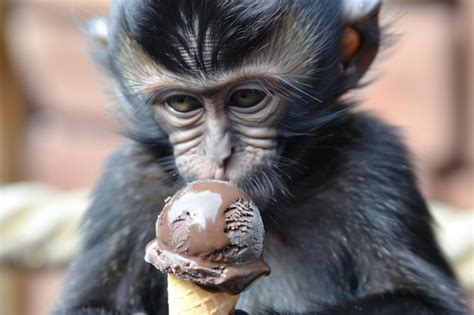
[[210, 233]]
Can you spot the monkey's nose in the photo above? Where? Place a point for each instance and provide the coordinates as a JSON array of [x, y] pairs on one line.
[[219, 148]]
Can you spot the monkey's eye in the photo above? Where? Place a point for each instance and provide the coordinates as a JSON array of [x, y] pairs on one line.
[[183, 103], [246, 98]]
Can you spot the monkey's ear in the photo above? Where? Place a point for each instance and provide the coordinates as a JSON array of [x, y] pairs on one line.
[[97, 30], [361, 38]]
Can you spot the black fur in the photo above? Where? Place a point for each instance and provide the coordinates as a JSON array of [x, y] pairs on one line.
[[238, 28], [347, 231]]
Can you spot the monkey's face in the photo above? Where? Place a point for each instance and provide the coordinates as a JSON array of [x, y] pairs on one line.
[[219, 79], [222, 133], [217, 87]]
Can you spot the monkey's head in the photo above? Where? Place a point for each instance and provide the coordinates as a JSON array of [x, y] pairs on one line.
[[222, 85]]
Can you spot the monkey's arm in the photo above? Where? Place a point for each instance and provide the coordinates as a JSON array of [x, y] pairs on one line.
[[109, 274], [392, 239], [399, 268]]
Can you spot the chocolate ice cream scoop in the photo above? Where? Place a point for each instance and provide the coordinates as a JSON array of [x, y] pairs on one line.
[[210, 233]]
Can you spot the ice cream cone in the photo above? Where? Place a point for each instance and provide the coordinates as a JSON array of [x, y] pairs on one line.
[[186, 297]]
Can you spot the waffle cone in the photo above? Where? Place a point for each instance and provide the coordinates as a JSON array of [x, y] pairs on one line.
[[186, 297]]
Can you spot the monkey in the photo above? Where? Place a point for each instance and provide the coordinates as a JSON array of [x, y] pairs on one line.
[[251, 92]]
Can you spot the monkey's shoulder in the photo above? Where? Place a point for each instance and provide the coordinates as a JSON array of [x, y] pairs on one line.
[[132, 167], [359, 146], [376, 135], [130, 193], [376, 149]]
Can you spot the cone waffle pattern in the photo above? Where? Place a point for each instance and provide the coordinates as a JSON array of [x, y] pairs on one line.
[[186, 298]]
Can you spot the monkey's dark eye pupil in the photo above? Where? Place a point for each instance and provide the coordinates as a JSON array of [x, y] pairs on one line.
[[183, 103], [247, 98]]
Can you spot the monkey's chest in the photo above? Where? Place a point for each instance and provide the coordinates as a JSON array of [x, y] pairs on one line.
[[310, 280], [280, 296], [296, 284]]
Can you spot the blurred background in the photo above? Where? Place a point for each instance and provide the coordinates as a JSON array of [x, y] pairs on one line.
[[57, 128]]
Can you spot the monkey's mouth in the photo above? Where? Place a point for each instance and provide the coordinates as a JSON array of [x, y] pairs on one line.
[[259, 181], [250, 168]]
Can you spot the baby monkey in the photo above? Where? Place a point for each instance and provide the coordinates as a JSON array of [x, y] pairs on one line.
[[249, 91]]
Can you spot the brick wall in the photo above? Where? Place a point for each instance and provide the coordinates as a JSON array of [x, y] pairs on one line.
[[70, 129]]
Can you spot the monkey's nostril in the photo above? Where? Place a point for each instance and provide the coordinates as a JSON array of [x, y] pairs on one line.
[[222, 159], [223, 165], [225, 162]]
